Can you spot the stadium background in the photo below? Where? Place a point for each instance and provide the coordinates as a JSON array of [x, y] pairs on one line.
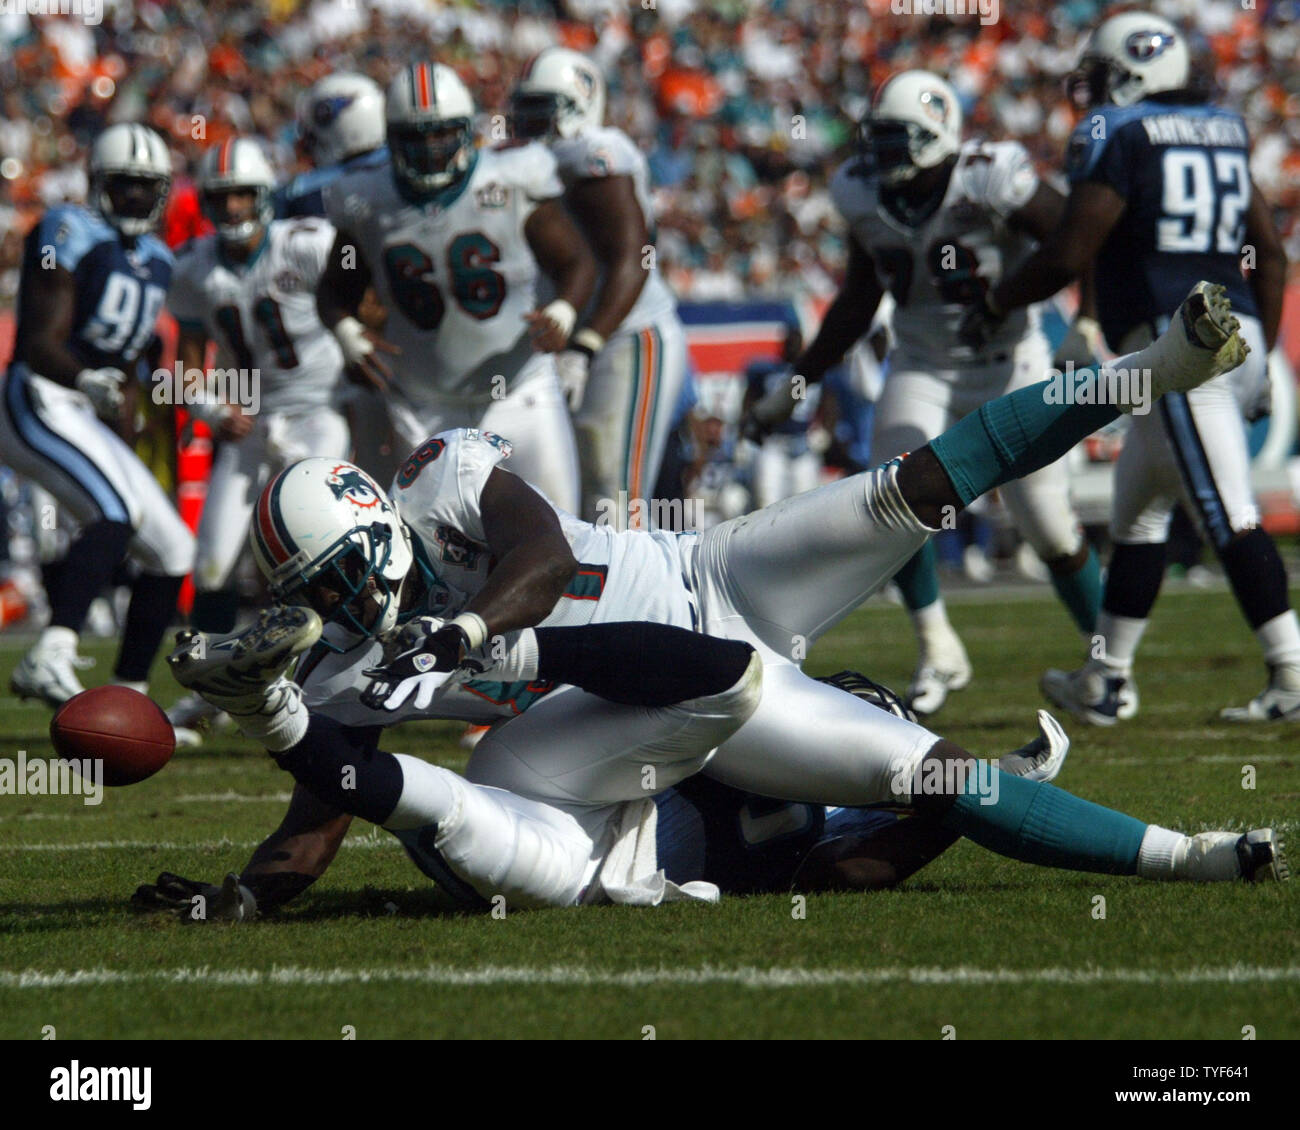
[[744, 110]]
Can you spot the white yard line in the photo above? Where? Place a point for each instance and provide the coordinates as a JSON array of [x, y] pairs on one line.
[[578, 976], [191, 845]]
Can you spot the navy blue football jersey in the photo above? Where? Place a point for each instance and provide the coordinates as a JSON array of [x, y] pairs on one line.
[[746, 844], [1184, 174], [304, 195], [120, 284]]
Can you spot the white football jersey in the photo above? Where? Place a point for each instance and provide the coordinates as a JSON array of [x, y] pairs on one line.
[[935, 267], [628, 575], [609, 152], [262, 313], [456, 273]]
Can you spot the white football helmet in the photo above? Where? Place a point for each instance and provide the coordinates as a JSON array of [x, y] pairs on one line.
[[130, 176], [914, 124], [1129, 57], [325, 535], [430, 116], [341, 116], [560, 94], [236, 165]]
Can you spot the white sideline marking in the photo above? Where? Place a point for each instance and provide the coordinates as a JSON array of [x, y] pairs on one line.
[[746, 976], [191, 845]]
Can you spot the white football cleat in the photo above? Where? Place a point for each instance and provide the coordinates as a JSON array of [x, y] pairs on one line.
[[1092, 693], [1216, 857], [233, 671], [1275, 703], [1202, 341], [1041, 759], [939, 671], [49, 672]]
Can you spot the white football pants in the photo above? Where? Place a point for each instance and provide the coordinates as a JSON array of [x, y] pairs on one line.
[[920, 403], [50, 434], [243, 467]]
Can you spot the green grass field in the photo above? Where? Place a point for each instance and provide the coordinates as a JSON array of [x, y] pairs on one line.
[[990, 947]]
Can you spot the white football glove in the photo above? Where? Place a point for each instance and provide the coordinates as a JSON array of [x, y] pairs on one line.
[[429, 658], [103, 387], [574, 366]]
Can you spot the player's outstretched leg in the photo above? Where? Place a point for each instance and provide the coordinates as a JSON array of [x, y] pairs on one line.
[[1017, 433], [1038, 823]]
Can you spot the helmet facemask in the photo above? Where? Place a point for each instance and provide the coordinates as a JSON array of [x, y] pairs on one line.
[[240, 231], [535, 115], [131, 201], [349, 585], [430, 156], [897, 148]]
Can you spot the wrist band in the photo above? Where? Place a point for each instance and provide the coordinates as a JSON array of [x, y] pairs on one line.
[[474, 628], [563, 315], [587, 341]]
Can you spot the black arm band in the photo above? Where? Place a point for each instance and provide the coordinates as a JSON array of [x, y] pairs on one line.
[[640, 664]]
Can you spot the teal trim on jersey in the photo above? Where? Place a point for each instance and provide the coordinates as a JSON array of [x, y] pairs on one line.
[[918, 579], [588, 583], [1038, 823], [518, 696], [444, 197]]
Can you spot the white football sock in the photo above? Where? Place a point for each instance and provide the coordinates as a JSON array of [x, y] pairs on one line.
[[1160, 847], [56, 639], [933, 629], [1120, 637], [1280, 640]]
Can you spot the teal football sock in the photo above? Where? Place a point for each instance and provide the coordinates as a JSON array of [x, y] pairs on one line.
[[1038, 823], [1080, 592], [918, 579], [1013, 435]]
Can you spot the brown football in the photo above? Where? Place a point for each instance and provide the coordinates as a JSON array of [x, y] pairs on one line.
[[127, 730]]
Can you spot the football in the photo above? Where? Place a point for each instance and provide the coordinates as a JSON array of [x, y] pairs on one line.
[[127, 730]]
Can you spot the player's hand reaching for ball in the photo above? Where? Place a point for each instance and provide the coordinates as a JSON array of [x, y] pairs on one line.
[[195, 902], [430, 652]]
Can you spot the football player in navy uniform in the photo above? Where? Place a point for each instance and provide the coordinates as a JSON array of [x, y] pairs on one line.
[[1161, 196], [93, 283], [341, 123]]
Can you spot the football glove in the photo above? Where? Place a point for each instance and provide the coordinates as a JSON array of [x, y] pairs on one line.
[[769, 412], [103, 387], [195, 902], [429, 655]]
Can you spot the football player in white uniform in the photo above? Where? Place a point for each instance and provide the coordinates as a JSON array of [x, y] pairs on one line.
[[251, 287], [624, 366], [557, 626], [92, 287], [934, 220], [454, 239]]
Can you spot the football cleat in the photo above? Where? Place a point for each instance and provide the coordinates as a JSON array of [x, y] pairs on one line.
[[1202, 341], [1092, 693], [933, 679], [1216, 857], [49, 672], [1260, 856], [1275, 703], [1041, 759], [233, 671]]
